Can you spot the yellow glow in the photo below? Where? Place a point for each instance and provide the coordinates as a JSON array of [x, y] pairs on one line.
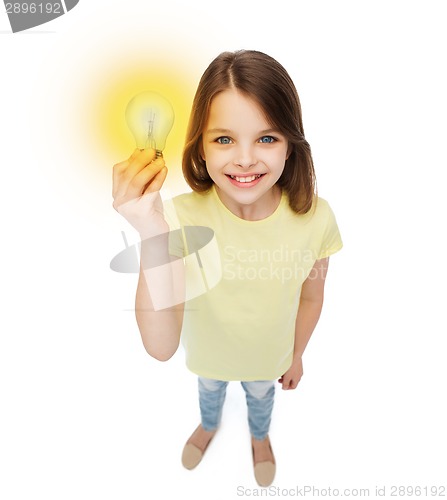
[[113, 88]]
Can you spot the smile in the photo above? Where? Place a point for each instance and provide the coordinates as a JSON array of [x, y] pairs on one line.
[[247, 180]]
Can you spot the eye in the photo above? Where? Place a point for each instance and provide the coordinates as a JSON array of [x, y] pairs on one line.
[[223, 140], [267, 139]]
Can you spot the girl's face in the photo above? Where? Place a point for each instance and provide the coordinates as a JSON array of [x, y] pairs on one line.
[[244, 156]]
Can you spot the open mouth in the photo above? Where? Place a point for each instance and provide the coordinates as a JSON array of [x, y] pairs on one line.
[[246, 179]]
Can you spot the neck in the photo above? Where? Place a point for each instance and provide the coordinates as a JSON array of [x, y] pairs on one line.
[[261, 209]]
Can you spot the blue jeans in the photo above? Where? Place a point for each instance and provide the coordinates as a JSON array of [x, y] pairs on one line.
[[259, 395]]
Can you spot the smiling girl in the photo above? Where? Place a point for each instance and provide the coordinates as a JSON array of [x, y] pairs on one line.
[[253, 184]]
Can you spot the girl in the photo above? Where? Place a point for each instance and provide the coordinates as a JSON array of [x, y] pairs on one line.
[[251, 172]]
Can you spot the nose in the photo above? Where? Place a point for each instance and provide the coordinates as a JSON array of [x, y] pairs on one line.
[[245, 156]]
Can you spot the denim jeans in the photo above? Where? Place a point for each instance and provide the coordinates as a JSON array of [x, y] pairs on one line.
[[259, 395]]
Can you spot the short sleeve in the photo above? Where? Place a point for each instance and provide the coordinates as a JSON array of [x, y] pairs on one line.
[[176, 244], [331, 241], [176, 237]]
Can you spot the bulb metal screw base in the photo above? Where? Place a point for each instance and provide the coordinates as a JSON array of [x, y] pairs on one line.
[[158, 153]]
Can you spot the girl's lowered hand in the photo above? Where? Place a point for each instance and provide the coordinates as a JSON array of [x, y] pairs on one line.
[[293, 375], [136, 192]]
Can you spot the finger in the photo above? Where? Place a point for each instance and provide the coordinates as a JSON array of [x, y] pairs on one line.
[[142, 183], [285, 383], [118, 168], [117, 171], [157, 182], [147, 176], [138, 160], [135, 153], [130, 182]]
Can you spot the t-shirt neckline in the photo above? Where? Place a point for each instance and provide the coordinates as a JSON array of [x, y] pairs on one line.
[[283, 201]]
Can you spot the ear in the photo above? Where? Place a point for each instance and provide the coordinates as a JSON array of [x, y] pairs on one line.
[[289, 151]]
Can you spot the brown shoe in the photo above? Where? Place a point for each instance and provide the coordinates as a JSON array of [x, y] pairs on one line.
[[265, 470], [192, 454]]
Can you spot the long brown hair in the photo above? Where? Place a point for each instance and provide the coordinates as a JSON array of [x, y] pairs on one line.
[[264, 80]]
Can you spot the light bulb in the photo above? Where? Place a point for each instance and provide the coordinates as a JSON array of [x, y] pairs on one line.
[[150, 118]]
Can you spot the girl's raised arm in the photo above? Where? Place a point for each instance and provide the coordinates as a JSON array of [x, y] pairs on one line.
[[160, 291]]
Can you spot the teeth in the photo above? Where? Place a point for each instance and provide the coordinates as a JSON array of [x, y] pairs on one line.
[[250, 178]]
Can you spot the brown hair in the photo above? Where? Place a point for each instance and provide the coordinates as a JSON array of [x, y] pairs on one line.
[[263, 79]]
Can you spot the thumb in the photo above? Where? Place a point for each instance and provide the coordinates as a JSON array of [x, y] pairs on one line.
[[286, 382]]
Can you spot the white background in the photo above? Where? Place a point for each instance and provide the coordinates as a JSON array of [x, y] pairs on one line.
[[85, 413]]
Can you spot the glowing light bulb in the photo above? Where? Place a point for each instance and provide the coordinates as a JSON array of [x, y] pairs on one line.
[[150, 118]]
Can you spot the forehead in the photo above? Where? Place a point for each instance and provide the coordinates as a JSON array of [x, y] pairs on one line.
[[232, 108]]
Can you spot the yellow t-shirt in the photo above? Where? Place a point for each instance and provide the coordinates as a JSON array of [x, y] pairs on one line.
[[245, 281]]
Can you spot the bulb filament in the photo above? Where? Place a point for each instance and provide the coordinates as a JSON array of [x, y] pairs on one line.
[[150, 142]]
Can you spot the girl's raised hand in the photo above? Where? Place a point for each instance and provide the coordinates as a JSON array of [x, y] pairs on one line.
[[136, 192]]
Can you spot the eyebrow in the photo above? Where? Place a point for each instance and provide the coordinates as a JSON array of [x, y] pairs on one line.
[[228, 131]]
